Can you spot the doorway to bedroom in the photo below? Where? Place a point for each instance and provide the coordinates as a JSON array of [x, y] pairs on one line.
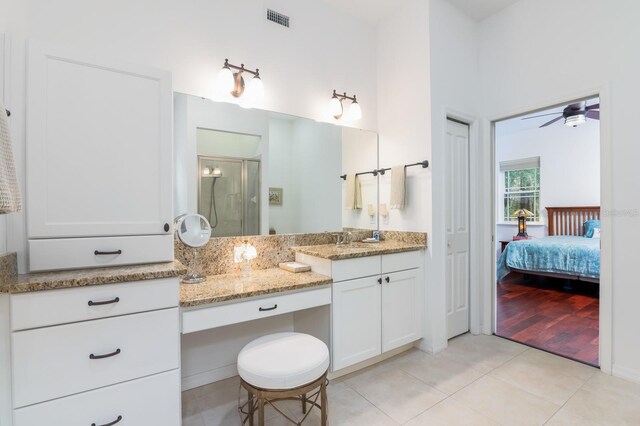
[[547, 205]]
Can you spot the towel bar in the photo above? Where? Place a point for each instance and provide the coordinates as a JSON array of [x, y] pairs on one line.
[[376, 172]]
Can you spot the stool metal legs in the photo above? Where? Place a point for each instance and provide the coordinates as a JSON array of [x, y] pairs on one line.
[[265, 397]]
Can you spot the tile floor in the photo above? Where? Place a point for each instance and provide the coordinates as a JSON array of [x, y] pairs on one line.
[[476, 381]]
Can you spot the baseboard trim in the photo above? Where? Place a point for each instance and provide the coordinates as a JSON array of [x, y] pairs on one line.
[[626, 373], [208, 377], [370, 361]]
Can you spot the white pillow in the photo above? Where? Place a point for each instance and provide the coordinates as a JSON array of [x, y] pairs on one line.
[[596, 233]]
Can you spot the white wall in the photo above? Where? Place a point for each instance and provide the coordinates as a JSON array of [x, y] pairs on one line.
[[3, 220], [454, 93], [300, 66], [538, 52], [569, 166], [404, 122]]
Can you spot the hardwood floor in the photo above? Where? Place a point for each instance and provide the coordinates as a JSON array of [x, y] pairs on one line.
[[542, 313]]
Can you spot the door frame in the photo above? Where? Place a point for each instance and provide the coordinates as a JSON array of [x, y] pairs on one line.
[[606, 205]]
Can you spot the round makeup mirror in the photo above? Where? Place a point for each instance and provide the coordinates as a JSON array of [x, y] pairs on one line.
[[194, 231]]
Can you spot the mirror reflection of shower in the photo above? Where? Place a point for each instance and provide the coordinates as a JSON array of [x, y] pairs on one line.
[[228, 195], [215, 174]]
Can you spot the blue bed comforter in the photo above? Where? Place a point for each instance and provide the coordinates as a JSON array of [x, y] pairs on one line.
[[558, 254]]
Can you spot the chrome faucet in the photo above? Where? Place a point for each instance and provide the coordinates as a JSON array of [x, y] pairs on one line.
[[344, 238]]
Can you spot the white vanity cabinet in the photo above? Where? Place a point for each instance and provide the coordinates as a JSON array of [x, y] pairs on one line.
[[107, 353], [99, 161], [376, 305]]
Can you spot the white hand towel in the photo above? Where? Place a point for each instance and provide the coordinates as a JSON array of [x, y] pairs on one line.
[[398, 187], [10, 200], [353, 193]]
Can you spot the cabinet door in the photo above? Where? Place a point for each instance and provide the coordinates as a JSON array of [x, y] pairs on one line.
[[356, 321], [99, 146], [401, 308]]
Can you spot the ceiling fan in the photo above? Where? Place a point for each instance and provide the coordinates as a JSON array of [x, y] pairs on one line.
[[573, 114]]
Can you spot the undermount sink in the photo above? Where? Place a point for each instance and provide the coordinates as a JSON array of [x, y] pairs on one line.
[[355, 246]]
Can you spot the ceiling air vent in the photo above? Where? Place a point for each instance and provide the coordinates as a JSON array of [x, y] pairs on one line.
[[278, 18]]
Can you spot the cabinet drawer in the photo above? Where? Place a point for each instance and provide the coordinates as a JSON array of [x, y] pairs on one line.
[[400, 261], [153, 400], [52, 307], [58, 361], [71, 253], [349, 269], [233, 313]]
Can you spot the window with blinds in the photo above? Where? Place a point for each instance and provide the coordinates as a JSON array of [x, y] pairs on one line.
[[521, 187]]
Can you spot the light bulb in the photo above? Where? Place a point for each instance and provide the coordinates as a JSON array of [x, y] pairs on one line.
[[355, 112], [225, 81], [256, 90], [574, 120], [335, 107]]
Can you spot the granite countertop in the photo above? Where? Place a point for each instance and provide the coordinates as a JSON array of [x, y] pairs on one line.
[[353, 250], [85, 277], [222, 288]]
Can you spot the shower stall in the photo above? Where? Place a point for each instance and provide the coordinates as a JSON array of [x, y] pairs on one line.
[[229, 195]]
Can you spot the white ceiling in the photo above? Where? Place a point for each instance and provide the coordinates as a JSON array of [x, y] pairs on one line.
[[372, 11], [481, 9]]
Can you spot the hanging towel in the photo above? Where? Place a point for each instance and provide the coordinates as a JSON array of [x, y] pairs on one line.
[[10, 200], [398, 187], [353, 193]]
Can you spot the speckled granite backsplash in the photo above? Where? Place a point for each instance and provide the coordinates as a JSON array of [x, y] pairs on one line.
[[217, 256], [8, 267]]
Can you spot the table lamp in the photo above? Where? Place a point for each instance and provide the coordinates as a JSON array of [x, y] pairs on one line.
[[522, 215]]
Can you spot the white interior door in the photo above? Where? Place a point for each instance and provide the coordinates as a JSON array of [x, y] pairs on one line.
[[457, 225]]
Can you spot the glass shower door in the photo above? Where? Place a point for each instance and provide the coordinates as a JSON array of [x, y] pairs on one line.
[[220, 199], [229, 195]]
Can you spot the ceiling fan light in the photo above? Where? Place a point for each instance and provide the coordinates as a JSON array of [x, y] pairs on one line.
[[575, 120]]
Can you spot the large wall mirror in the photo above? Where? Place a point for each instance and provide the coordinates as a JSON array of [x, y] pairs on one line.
[[255, 172]]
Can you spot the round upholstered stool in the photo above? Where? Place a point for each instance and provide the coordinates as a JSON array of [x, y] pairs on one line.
[[283, 366]]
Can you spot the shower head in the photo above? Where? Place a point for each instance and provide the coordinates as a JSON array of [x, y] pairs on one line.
[[212, 172]]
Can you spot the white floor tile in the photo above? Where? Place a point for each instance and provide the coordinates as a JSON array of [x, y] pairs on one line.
[[505, 403], [451, 413], [482, 353], [398, 394], [607, 400], [548, 376], [443, 373]]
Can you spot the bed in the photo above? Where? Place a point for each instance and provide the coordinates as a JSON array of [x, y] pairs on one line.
[[565, 253]]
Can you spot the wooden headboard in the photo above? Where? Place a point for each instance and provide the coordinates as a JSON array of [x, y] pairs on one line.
[[570, 220]]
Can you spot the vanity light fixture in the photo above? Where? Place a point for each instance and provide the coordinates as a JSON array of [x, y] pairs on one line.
[[233, 82], [337, 109]]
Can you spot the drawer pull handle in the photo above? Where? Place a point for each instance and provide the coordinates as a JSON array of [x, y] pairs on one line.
[[106, 302], [109, 424], [268, 309], [116, 352], [387, 279], [106, 253], [379, 280]]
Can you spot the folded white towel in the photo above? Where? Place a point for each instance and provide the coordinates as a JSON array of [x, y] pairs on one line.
[[398, 187], [10, 200], [353, 193]]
